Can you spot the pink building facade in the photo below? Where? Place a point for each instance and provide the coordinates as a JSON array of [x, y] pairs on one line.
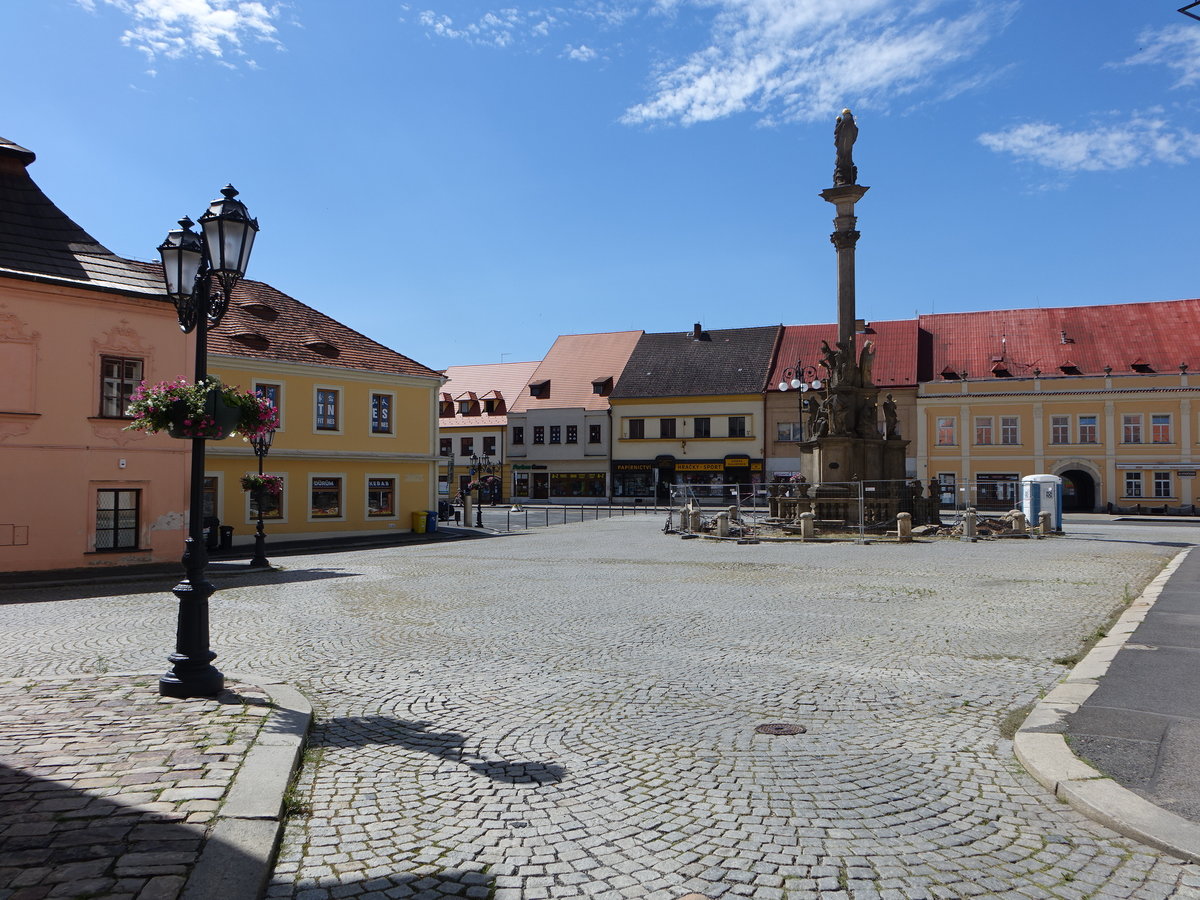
[[79, 328]]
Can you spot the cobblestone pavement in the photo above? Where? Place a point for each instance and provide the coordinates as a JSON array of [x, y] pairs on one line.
[[107, 790], [572, 712]]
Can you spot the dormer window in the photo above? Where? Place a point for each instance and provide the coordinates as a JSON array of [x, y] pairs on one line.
[[1069, 368], [322, 347], [949, 374], [260, 310], [602, 386], [1142, 367], [464, 407], [1000, 370], [540, 389]]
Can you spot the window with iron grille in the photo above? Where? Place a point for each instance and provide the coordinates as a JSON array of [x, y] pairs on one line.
[[119, 377], [117, 513]]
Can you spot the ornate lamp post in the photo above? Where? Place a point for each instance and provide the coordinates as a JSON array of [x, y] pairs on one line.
[[201, 271], [479, 466], [1187, 10], [262, 446], [803, 379]]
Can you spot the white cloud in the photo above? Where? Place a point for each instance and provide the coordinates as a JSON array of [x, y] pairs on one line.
[[582, 53], [178, 28], [1143, 140], [797, 60], [500, 28], [1175, 48]]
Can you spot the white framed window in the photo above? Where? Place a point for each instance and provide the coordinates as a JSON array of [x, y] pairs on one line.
[[1089, 430], [947, 431], [119, 378], [381, 497], [118, 514], [1162, 484], [983, 429], [327, 498], [1133, 484], [327, 409], [1060, 429], [1010, 430], [273, 391], [1131, 431], [382, 405], [273, 504], [1160, 428]]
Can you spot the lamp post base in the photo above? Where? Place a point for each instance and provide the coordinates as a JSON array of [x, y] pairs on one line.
[[192, 672], [187, 682]]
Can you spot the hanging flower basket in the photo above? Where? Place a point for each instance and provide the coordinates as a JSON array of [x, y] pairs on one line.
[[272, 484], [209, 410]]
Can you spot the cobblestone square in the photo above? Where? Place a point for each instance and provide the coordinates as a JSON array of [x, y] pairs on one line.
[[572, 712]]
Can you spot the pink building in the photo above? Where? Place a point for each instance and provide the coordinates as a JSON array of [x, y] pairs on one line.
[[80, 327]]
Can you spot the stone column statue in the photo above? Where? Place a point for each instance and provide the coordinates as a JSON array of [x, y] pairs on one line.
[[891, 421], [845, 133]]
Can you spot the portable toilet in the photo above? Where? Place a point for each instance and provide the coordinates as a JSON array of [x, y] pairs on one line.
[[1042, 493]]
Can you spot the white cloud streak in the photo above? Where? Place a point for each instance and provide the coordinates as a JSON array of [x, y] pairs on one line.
[[499, 28], [796, 60], [1176, 48], [1143, 140], [173, 29]]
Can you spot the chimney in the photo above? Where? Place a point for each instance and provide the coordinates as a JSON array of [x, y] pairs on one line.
[[697, 332]]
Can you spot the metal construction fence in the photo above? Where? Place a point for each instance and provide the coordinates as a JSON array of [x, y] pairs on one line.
[[520, 518]]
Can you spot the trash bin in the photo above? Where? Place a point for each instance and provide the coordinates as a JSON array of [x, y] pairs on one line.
[[418, 521], [212, 538], [431, 520], [226, 537]]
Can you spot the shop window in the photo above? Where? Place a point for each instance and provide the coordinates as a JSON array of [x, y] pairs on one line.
[[381, 413], [1133, 484], [326, 498], [1162, 484], [119, 378], [381, 497], [328, 404], [117, 514]]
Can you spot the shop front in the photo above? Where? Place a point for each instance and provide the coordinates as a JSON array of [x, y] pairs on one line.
[[531, 481], [711, 478]]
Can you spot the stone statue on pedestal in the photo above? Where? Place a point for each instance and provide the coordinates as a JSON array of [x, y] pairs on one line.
[[845, 133]]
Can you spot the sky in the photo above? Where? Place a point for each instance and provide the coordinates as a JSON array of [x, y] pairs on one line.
[[464, 181]]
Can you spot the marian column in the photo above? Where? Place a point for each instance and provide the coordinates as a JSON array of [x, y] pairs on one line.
[[846, 191]]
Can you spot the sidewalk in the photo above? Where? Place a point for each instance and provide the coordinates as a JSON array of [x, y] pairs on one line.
[[1119, 739], [107, 789]]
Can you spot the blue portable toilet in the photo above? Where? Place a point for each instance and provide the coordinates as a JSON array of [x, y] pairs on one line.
[[1042, 493]]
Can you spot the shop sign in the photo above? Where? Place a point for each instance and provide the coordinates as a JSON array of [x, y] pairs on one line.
[[632, 467], [1186, 473], [733, 461], [698, 467], [327, 483], [379, 482]]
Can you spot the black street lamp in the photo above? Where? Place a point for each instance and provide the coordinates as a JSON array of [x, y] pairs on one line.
[[262, 446], [1187, 10], [479, 466], [201, 271], [801, 378]]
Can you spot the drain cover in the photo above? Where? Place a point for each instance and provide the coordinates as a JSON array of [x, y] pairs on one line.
[[780, 728]]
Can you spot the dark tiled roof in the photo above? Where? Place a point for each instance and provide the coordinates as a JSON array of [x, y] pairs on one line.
[[676, 364], [265, 323], [1069, 340], [38, 240], [895, 351]]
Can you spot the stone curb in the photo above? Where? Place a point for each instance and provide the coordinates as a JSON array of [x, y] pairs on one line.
[[1042, 749], [239, 852]]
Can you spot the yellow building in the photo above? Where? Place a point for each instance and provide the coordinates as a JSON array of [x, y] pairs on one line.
[[1100, 396], [356, 444]]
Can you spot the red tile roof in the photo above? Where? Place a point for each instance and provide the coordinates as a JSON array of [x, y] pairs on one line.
[[1064, 340], [895, 351], [497, 381], [573, 364]]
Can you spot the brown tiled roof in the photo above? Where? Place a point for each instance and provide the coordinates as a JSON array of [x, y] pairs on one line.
[[265, 323], [38, 240], [704, 363], [1066, 340], [572, 365], [502, 381], [895, 351]]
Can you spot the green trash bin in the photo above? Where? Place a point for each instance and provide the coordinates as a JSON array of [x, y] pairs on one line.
[[418, 521]]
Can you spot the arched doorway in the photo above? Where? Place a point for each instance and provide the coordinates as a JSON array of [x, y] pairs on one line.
[[1079, 491]]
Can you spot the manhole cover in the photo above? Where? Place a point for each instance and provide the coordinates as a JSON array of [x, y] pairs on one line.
[[780, 728]]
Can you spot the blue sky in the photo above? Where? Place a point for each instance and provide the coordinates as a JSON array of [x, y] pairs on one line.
[[465, 181]]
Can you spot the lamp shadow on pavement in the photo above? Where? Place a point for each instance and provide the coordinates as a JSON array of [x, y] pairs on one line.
[[362, 731]]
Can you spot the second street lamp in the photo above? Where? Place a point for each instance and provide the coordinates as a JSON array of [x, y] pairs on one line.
[[262, 446], [201, 271]]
